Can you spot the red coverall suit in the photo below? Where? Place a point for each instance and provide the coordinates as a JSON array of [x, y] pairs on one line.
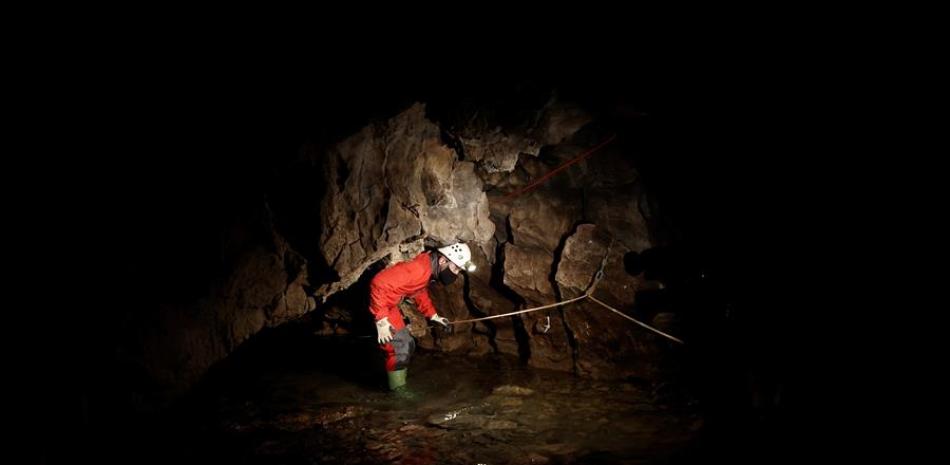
[[387, 289]]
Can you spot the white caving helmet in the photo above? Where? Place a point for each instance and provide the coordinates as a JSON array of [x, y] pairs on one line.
[[460, 255]]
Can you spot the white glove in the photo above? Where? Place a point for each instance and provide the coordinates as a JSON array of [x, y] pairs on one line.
[[384, 331], [440, 320]]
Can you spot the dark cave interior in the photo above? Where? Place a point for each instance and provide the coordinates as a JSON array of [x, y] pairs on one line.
[[192, 156]]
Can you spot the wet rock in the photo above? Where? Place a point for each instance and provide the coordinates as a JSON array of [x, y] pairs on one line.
[[500, 424], [527, 271], [629, 229], [511, 390], [607, 346], [559, 122], [393, 184], [531, 458], [497, 151], [299, 421], [411, 428], [583, 254], [541, 218], [482, 300], [458, 420], [547, 428], [450, 203], [449, 302], [557, 449], [508, 402]]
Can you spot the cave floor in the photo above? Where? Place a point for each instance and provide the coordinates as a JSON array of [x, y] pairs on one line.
[[466, 410]]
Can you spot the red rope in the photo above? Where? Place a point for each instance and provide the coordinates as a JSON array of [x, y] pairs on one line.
[[560, 168]]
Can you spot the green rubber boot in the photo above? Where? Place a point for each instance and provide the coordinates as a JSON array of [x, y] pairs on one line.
[[397, 379], [397, 384]]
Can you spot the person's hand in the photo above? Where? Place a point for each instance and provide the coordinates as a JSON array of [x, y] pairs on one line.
[[384, 331], [440, 320]]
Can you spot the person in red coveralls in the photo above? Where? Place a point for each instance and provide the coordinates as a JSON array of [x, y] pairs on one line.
[[410, 279]]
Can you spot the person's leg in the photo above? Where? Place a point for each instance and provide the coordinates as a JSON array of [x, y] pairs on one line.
[[389, 354], [403, 346], [395, 371]]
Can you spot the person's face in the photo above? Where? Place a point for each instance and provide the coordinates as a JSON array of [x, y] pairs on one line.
[[446, 263]]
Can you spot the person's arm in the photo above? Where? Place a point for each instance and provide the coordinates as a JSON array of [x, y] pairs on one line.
[[381, 301], [424, 304]]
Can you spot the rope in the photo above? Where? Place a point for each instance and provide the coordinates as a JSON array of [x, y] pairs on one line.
[[661, 333], [588, 294], [558, 304], [527, 310], [560, 168]]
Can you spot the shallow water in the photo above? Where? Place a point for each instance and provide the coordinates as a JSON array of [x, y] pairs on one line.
[[487, 410]]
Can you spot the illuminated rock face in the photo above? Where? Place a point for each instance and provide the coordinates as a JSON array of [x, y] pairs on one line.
[[398, 188], [399, 185]]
